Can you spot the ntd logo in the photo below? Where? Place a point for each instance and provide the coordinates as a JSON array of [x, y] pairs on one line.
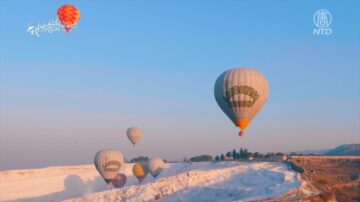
[[322, 20]]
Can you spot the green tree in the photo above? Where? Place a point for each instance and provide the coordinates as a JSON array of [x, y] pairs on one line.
[[217, 158], [202, 158], [241, 153], [222, 157], [238, 155], [246, 153], [234, 154], [269, 154], [228, 154], [139, 159], [256, 155]]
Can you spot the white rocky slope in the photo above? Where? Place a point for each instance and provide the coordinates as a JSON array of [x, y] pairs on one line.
[[225, 181]]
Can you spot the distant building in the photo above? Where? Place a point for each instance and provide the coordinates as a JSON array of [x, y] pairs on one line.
[[285, 157], [229, 158]]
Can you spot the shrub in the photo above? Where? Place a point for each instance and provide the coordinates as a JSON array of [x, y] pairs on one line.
[[139, 159], [354, 177], [296, 168], [201, 158]]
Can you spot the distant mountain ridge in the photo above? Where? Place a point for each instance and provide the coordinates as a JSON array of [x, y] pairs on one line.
[[316, 152], [342, 150], [345, 150]]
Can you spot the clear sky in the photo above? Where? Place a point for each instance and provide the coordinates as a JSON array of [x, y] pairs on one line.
[[153, 64]]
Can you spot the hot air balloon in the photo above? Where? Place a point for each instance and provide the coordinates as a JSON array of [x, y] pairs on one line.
[[134, 134], [69, 16], [140, 171], [119, 180], [156, 165], [241, 93], [108, 163]]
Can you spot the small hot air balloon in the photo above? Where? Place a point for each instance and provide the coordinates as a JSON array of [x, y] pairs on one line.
[[108, 163], [241, 93], [69, 16], [134, 134], [155, 166], [140, 171], [119, 180]]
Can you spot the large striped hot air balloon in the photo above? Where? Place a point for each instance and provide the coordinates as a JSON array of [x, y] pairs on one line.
[[69, 16], [241, 93], [108, 163]]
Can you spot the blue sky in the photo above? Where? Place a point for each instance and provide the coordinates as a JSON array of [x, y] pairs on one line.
[[154, 64]]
